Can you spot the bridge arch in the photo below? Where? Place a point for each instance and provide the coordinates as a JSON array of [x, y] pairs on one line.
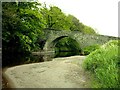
[[51, 42], [54, 42]]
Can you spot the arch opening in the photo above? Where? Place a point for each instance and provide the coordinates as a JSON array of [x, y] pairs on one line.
[[65, 46]]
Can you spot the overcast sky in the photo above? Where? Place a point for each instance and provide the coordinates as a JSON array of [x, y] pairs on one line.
[[101, 15]]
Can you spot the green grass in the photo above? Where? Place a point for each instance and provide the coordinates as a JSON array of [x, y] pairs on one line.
[[104, 65]]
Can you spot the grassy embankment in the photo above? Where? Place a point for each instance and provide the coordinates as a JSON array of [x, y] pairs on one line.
[[104, 65]]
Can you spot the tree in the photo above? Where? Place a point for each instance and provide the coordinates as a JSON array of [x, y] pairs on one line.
[[22, 25], [88, 30], [77, 25], [55, 18]]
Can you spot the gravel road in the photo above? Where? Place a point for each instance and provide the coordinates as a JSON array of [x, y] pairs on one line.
[[59, 73]]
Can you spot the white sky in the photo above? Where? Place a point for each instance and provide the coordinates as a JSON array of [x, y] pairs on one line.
[[99, 14]]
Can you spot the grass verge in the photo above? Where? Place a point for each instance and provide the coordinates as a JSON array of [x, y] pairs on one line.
[[104, 65]]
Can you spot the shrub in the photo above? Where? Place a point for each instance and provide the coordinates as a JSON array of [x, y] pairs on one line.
[[87, 50], [104, 65]]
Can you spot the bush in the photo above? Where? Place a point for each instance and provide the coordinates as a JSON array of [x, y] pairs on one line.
[[87, 50], [104, 65]]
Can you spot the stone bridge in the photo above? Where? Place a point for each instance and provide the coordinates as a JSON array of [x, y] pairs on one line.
[[52, 36]]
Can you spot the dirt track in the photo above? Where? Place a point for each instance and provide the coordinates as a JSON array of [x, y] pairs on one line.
[[59, 73]]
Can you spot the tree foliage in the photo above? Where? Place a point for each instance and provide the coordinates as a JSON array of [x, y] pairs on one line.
[[76, 25], [55, 18], [22, 25]]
